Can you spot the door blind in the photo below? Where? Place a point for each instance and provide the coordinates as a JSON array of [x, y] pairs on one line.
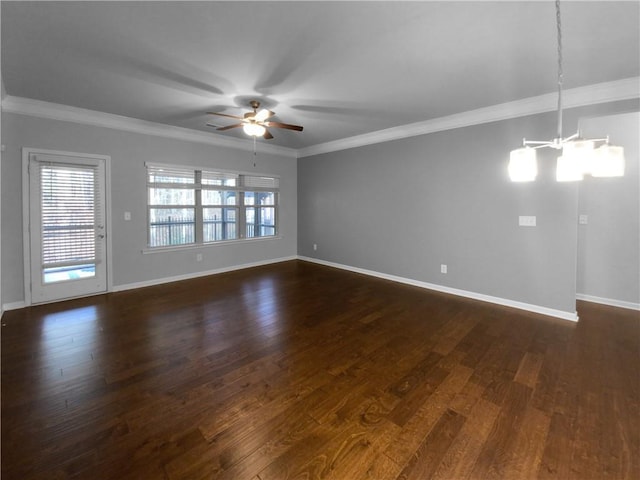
[[70, 218]]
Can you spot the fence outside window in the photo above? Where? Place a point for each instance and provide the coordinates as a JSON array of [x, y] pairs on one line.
[[191, 206]]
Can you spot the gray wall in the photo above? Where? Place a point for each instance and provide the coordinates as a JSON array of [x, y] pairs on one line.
[[609, 244], [129, 152], [405, 207]]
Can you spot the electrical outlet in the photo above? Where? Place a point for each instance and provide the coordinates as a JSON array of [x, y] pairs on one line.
[[583, 219], [315, 246], [443, 268], [198, 257], [127, 216]]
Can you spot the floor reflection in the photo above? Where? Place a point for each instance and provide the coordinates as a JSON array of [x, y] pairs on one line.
[[76, 322], [68, 340], [261, 301]]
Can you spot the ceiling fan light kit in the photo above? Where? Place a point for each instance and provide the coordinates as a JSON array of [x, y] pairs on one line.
[[254, 129], [255, 123], [579, 156]]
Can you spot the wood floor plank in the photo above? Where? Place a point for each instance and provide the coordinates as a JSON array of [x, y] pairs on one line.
[[382, 468], [251, 444], [495, 457], [296, 370], [419, 426], [430, 453], [465, 449], [528, 446], [453, 332], [529, 369], [556, 461]]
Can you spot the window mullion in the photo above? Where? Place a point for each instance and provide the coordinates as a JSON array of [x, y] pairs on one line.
[[242, 222], [199, 214]]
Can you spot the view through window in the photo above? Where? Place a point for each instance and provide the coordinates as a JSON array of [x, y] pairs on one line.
[[196, 206]]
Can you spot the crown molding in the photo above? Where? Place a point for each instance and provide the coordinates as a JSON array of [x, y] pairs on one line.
[[625, 89], [66, 113]]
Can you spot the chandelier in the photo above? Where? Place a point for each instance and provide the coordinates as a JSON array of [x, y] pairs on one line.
[[579, 156]]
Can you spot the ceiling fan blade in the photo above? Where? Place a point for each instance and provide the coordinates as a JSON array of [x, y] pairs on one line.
[[297, 128], [267, 135], [229, 127], [225, 115], [263, 114]]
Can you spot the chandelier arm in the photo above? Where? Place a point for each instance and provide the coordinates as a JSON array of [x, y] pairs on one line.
[[575, 135], [542, 143]]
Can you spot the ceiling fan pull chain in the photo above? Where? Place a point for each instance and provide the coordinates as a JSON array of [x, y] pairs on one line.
[[254, 151]]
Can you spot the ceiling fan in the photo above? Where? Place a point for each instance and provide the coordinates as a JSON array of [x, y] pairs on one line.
[[255, 123]]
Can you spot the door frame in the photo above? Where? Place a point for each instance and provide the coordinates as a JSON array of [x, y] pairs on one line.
[[26, 215]]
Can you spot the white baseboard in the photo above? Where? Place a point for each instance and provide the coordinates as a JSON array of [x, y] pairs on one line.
[[572, 316], [159, 281], [13, 306], [189, 276], [608, 301]]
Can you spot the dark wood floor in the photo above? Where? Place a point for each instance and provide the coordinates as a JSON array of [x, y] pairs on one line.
[[301, 371]]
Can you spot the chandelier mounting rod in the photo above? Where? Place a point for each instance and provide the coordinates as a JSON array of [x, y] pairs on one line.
[[560, 71]]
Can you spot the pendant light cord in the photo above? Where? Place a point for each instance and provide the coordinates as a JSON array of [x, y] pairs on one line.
[[560, 72]]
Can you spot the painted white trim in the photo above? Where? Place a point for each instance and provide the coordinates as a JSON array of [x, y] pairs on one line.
[[26, 212], [572, 316], [13, 306], [407, 281], [200, 246], [210, 169], [189, 276], [608, 301], [625, 89], [160, 281], [66, 113]]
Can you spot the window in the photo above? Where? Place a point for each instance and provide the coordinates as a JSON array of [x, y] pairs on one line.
[[69, 219], [188, 206]]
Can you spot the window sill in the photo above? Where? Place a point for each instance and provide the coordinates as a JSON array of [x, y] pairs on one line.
[[200, 246]]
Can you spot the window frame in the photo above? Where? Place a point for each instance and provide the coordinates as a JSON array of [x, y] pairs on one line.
[[244, 182]]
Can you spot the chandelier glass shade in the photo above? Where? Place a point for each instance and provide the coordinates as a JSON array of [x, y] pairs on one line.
[[523, 166], [608, 161], [579, 156]]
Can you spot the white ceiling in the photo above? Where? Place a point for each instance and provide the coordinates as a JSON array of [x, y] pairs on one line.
[[341, 69]]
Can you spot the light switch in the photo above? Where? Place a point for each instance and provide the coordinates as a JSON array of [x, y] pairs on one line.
[[527, 220], [127, 216], [583, 219]]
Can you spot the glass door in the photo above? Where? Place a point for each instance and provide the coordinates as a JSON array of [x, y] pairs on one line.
[[67, 227]]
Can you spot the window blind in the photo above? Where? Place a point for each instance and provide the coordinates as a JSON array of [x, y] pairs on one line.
[[219, 178], [254, 181], [69, 206], [169, 175]]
